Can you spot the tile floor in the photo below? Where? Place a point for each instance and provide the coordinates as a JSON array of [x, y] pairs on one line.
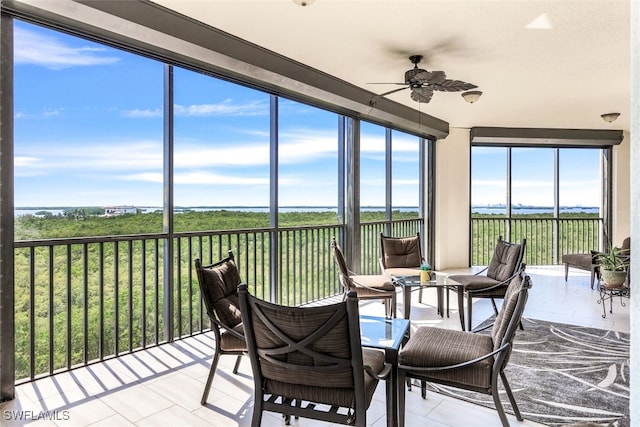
[[162, 386]]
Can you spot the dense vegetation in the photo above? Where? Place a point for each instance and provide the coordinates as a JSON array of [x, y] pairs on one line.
[[66, 294], [72, 224]]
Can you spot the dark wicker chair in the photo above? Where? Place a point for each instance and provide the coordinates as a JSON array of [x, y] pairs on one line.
[[401, 256], [467, 360], [506, 263], [307, 358], [366, 286], [218, 288]]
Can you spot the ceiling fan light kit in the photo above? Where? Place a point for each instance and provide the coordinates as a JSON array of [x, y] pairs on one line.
[[472, 96], [423, 83], [610, 117]]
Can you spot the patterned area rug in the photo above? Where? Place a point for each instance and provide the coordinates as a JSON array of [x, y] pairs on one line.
[[562, 374]]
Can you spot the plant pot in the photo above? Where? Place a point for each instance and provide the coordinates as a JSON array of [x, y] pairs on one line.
[[614, 278]]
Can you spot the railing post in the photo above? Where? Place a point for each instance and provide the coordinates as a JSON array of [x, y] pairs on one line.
[[352, 226], [167, 223], [274, 240]]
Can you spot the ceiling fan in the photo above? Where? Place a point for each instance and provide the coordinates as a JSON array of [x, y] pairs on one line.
[[423, 83]]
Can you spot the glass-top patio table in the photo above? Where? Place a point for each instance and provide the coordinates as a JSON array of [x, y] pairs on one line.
[[386, 334], [410, 283]]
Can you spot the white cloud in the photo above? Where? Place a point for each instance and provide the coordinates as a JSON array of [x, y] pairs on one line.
[[197, 178], [54, 158], [224, 108], [403, 182], [148, 113], [531, 184], [238, 154], [38, 49], [489, 183], [306, 145], [207, 178]]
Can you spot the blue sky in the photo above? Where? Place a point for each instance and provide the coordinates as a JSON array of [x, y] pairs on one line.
[[533, 176], [89, 129]]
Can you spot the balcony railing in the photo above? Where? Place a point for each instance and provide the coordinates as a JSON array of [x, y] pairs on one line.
[[547, 238], [83, 300]]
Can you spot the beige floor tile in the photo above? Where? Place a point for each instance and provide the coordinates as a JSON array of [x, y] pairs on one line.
[[86, 413], [136, 402], [175, 416], [113, 421]]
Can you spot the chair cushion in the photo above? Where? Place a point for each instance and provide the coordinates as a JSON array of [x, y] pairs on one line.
[[401, 252], [376, 281], [221, 283], [438, 347], [472, 281], [230, 342], [402, 271], [504, 260], [583, 261], [503, 318]]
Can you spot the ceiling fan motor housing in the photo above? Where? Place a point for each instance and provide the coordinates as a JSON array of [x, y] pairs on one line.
[[409, 77]]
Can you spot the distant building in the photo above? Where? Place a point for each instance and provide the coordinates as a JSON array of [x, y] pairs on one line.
[[119, 210]]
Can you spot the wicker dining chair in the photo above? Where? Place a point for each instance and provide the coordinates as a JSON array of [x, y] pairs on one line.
[[218, 288], [467, 360], [309, 361], [492, 281], [366, 286]]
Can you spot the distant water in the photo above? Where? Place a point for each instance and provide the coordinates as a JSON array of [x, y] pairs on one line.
[[475, 209], [533, 210], [265, 209]]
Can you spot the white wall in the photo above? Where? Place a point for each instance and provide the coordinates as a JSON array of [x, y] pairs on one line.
[[453, 160], [622, 191]]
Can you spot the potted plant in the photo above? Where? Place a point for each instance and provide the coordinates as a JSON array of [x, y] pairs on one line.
[[613, 266]]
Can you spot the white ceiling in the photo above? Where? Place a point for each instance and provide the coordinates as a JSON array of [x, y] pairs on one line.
[[559, 77]]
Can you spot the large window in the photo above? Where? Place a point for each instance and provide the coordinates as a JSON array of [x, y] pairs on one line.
[[552, 197], [489, 180], [580, 180], [532, 180], [307, 163], [221, 140], [533, 177], [88, 133], [372, 171], [127, 169], [405, 177]]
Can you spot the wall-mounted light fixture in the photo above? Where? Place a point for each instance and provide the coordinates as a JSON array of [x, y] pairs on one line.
[[303, 2], [610, 117], [472, 96]]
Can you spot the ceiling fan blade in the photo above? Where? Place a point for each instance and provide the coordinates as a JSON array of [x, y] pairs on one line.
[[386, 83], [452, 86], [422, 94], [431, 77], [393, 91]]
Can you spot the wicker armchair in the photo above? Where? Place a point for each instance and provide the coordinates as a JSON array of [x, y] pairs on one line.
[[307, 358], [467, 360], [506, 263], [366, 286]]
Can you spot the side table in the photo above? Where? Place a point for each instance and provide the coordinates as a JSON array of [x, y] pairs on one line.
[[609, 293]]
